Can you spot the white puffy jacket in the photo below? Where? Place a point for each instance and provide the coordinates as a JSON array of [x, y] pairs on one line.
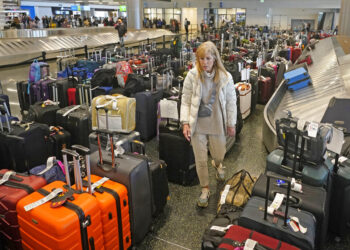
[[191, 99]]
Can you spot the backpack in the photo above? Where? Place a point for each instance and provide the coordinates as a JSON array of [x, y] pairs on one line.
[[123, 69]]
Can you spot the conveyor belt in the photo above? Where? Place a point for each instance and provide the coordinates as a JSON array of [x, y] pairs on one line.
[[330, 77], [15, 50]]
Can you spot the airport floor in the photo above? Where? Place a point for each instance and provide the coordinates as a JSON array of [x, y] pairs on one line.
[[181, 225]]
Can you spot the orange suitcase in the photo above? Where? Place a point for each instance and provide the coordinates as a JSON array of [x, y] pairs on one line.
[[74, 225], [113, 201]]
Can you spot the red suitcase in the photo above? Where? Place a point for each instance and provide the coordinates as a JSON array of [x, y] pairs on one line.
[[11, 191], [236, 236], [266, 89], [296, 54]]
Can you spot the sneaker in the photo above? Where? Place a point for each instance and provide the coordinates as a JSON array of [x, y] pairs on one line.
[[204, 198], [220, 171]]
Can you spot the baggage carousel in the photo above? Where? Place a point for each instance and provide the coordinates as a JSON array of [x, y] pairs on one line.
[[17, 46], [330, 74]]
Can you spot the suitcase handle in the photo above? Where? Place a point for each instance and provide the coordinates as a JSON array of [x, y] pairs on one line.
[[86, 153], [77, 173], [269, 176]]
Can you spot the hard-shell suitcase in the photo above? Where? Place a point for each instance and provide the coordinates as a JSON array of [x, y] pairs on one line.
[[265, 89], [297, 79], [62, 85], [315, 200], [255, 90], [112, 198], [296, 54], [25, 95], [43, 113], [77, 121], [132, 172], [256, 217], [75, 224], [11, 191], [237, 236], [60, 139]]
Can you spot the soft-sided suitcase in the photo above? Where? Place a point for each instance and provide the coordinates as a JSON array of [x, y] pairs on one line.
[[146, 113], [237, 236], [43, 113], [296, 54], [245, 96], [297, 79], [335, 114], [77, 121], [112, 198], [25, 95], [60, 139], [256, 217], [132, 172], [75, 224], [265, 89], [315, 200], [11, 191]]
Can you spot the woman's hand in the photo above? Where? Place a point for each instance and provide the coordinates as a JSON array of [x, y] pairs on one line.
[[231, 131], [186, 131]]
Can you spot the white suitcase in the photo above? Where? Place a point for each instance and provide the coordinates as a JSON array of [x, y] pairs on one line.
[[245, 95]]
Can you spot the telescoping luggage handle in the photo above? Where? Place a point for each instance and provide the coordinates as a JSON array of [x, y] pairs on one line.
[[269, 176], [3, 112], [85, 152]]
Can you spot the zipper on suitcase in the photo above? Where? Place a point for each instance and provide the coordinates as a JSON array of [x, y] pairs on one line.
[[83, 221]]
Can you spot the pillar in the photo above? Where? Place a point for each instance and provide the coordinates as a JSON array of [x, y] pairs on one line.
[[135, 13], [344, 19]]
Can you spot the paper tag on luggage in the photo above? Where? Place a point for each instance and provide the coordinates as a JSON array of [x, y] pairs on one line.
[[312, 129], [258, 62], [42, 201], [250, 244], [224, 194], [336, 144], [245, 75], [168, 109], [7, 176]]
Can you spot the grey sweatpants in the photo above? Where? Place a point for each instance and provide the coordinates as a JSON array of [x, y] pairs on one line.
[[217, 148]]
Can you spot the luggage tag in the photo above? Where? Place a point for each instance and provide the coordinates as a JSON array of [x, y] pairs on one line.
[[62, 198], [42, 201], [7, 176], [98, 184], [312, 129]]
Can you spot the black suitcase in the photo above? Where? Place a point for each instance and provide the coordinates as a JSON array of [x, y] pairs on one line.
[[255, 91], [146, 113], [177, 153], [25, 95], [315, 200], [42, 113], [62, 85], [28, 145], [77, 123], [255, 217], [339, 217], [133, 172], [60, 139]]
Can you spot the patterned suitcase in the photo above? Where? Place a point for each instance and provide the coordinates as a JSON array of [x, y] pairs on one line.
[[11, 191], [75, 224]]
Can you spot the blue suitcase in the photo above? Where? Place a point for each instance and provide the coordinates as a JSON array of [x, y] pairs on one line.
[[297, 79]]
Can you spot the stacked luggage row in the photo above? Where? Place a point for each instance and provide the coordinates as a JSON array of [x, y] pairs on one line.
[[298, 200]]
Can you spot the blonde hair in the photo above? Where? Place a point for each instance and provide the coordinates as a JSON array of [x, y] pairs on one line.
[[210, 48]]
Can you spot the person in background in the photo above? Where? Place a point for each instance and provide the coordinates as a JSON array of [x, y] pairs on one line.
[[208, 113], [186, 24], [122, 30]]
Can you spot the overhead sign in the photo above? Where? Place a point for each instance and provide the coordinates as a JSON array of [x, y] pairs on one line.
[[75, 8], [122, 8]]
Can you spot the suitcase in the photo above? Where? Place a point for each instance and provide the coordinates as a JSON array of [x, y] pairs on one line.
[[132, 172], [255, 217], [41, 89], [334, 114], [297, 79], [62, 85], [11, 191], [265, 89], [25, 95], [112, 198], [255, 90], [280, 74], [315, 200], [43, 112], [237, 236], [245, 96], [296, 54], [307, 60], [60, 139], [177, 153], [339, 213], [77, 121], [76, 224]]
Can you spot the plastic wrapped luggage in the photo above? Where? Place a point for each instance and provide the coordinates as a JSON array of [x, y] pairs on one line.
[[77, 121], [75, 224], [121, 113], [13, 188], [245, 96], [255, 216], [237, 236], [132, 172], [112, 198]]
